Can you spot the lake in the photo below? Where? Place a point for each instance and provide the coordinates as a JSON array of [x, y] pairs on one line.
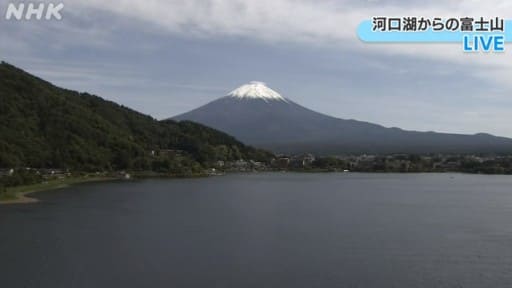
[[264, 230]]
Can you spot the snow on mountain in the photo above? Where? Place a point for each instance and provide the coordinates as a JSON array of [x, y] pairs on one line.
[[283, 126], [256, 90]]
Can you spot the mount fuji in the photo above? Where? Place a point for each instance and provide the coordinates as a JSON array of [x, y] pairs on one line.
[[259, 116]]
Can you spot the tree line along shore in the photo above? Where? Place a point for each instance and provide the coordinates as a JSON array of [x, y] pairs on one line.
[[16, 184]]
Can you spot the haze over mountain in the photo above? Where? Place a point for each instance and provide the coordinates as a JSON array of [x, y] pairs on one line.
[[260, 116]]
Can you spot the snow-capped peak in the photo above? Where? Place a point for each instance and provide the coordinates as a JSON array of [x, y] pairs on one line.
[[256, 90]]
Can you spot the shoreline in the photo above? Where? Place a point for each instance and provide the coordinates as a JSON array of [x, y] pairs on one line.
[[20, 194]]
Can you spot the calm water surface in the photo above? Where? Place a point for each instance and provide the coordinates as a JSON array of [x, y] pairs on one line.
[[265, 230]]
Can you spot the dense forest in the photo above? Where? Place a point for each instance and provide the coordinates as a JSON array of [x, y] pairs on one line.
[[44, 126]]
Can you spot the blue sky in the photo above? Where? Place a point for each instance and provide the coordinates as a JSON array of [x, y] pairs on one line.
[[166, 57]]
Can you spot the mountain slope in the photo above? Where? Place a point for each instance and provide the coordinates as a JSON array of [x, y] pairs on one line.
[[45, 126], [280, 124]]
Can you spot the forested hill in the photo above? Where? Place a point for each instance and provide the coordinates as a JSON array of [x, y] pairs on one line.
[[44, 126]]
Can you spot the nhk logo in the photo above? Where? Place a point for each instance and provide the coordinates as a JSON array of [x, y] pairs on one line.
[[34, 11]]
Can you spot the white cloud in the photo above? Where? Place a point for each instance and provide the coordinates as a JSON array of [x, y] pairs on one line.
[[317, 22], [330, 23], [93, 26]]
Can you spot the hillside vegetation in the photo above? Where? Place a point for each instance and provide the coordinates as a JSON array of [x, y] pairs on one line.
[[44, 126]]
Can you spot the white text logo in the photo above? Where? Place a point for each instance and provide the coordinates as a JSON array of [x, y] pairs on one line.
[[32, 11]]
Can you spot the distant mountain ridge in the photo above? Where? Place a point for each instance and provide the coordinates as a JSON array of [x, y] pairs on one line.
[[274, 122], [42, 125]]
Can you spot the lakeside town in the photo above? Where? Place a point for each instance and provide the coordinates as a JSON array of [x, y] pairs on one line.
[[396, 163], [401, 163]]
